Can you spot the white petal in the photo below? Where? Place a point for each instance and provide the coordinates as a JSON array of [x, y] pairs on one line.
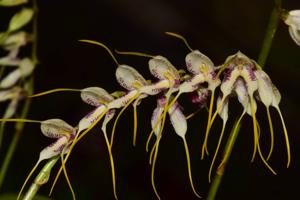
[[122, 101], [56, 128], [11, 108], [265, 89], [155, 88], [158, 111], [11, 79], [9, 61], [129, 78], [230, 77], [90, 118], [178, 120], [196, 62], [16, 40], [26, 67], [224, 110], [192, 84], [276, 97], [95, 96], [293, 18], [295, 34], [160, 65], [242, 92], [10, 93], [53, 149]]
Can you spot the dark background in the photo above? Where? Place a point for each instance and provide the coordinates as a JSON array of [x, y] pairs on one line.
[[216, 28]]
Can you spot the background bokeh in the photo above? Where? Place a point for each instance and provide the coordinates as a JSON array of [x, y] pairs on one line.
[[218, 29]]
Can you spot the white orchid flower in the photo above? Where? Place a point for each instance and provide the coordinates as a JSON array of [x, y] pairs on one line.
[[292, 19], [25, 69]]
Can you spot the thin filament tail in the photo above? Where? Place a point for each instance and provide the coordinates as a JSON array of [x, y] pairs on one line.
[[153, 170], [54, 91], [204, 146], [104, 46], [76, 139], [264, 160], [19, 120], [216, 152], [180, 37], [209, 124], [255, 132], [189, 167], [66, 175], [231, 140], [271, 133], [133, 53], [112, 165], [117, 119], [286, 138], [134, 124]]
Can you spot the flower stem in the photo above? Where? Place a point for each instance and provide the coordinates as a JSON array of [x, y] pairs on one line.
[[41, 179], [221, 169], [269, 35], [263, 55]]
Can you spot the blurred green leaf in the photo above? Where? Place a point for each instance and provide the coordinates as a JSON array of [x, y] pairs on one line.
[[12, 2], [20, 19]]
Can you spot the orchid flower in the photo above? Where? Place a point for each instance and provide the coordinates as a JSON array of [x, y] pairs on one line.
[[169, 78], [203, 70], [25, 69], [52, 128], [245, 78], [179, 124], [292, 19]]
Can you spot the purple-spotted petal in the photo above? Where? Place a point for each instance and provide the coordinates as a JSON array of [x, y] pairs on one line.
[[197, 62], [230, 77], [54, 149], [96, 96], [56, 128], [242, 93], [178, 120], [122, 101], [90, 118], [158, 111], [160, 66], [129, 78]]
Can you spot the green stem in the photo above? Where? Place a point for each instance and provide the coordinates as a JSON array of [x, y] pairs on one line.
[[41, 179], [269, 35], [267, 43], [220, 171]]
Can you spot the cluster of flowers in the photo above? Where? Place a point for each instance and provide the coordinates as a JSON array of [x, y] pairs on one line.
[[13, 86], [239, 76]]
